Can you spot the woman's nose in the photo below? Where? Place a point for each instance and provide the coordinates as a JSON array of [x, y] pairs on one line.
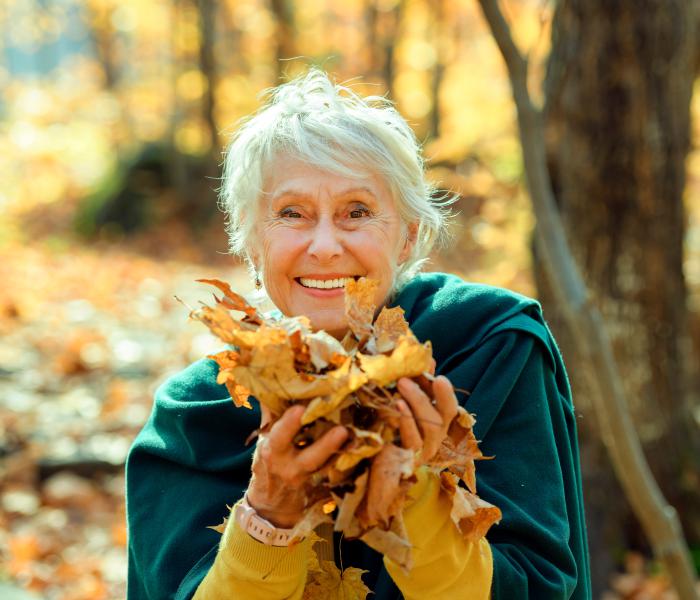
[[325, 241]]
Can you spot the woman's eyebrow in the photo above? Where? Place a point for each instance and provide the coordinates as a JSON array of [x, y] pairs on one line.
[[357, 190], [290, 193]]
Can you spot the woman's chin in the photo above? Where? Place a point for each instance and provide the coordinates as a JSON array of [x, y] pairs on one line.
[[335, 326]]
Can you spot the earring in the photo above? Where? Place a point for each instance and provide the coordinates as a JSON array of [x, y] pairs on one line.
[[258, 283]]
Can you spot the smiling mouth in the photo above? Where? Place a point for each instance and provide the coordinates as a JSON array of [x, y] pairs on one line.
[[325, 284]]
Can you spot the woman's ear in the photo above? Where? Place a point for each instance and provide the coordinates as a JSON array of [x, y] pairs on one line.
[[409, 242]]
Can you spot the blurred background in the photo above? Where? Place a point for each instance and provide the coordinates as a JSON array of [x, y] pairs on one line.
[[113, 119]]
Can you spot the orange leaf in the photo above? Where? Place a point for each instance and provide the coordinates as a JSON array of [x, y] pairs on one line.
[[359, 305]]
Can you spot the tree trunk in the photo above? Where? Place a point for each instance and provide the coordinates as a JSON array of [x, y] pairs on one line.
[[440, 32], [383, 25], [285, 39], [207, 65], [619, 85]]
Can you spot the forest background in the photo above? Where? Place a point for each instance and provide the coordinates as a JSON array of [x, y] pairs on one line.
[[113, 119]]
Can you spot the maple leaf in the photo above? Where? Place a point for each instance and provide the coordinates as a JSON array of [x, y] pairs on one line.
[[390, 477], [393, 543], [219, 321], [408, 359], [227, 360], [234, 301], [324, 350], [335, 385], [347, 505], [389, 327], [327, 582], [360, 305], [472, 515], [363, 490], [460, 449], [313, 517], [362, 445]]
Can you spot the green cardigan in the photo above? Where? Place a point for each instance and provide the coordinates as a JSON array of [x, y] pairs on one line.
[[190, 459]]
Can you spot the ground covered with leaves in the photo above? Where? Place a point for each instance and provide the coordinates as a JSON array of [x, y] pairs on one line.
[[86, 335]]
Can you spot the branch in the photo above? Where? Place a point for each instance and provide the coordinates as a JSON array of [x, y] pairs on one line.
[[658, 518]]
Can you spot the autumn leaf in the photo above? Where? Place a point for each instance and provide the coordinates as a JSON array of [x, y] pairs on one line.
[[472, 515], [364, 488], [232, 300], [389, 327], [325, 350], [313, 517], [460, 449], [363, 444], [347, 505], [391, 475], [327, 582], [227, 360], [393, 543], [359, 305], [408, 359]]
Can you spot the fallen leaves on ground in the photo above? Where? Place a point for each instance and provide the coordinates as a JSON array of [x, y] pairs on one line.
[[280, 361]]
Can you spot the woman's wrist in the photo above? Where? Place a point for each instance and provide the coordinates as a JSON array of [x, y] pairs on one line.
[[278, 518]]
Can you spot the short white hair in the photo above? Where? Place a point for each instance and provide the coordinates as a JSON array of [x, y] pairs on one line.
[[329, 126]]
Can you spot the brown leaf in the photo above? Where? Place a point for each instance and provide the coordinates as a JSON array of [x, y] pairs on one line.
[[347, 505], [334, 386], [472, 515], [390, 477], [227, 360], [326, 582], [459, 449], [389, 327], [408, 359], [359, 306], [363, 445], [234, 301], [219, 321], [393, 544], [313, 517], [325, 350]]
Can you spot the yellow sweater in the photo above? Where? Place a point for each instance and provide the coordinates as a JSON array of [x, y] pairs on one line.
[[445, 566]]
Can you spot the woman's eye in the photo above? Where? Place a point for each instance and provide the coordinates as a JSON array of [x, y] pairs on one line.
[[358, 213], [290, 213]]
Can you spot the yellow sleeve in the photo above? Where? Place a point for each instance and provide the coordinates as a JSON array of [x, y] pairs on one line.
[[250, 570], [444, 565]]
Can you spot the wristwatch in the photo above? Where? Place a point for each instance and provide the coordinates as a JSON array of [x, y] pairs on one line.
[[257, 527]]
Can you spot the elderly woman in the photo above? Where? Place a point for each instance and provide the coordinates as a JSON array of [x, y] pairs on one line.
[[321, 186]]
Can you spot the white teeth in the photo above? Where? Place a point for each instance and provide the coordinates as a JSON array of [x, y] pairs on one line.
[[324, 284]]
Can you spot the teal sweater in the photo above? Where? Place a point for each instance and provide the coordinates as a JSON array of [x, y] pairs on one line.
[[190, 459]]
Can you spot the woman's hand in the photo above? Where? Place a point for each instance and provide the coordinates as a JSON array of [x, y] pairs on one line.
[[280, 469], [426, 414]]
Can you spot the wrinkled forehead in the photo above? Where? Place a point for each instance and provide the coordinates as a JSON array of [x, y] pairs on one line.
[[289, 173]]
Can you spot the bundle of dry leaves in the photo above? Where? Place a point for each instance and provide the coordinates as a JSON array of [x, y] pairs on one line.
[[362, 490]]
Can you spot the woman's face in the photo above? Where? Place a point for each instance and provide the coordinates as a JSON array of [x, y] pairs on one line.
[[315, 230]]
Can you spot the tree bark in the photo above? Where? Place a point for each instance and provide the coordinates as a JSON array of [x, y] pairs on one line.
[[383, 31], [285, 38], [618, 115], [207, 65], [658, 518]]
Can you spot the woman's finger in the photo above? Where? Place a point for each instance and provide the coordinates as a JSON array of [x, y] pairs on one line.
[[285, 428], [445, 399], [410, 436], [427, 417], [312, 458]]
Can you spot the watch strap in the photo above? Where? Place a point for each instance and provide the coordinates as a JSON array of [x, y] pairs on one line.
[[257, 527]]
